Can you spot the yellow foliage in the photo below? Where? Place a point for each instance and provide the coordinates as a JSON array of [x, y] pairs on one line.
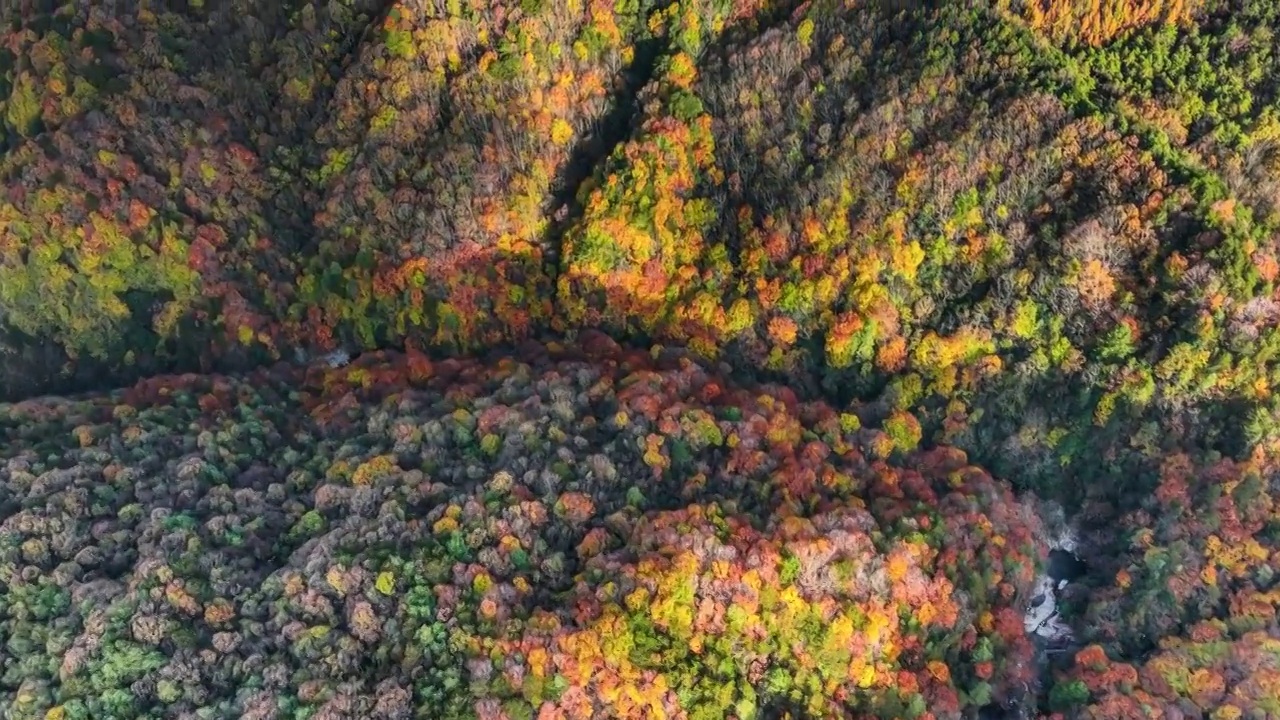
[[538, 661], [637, 599], [373, 469], [1025, 320], [682, 72], [867, 677], [898, 566], [933, 353], [906, 259], [386, 582], [804, 33], [337, 580], [1226, 712], [986, 621], [561, 132], [840, 632], [739, 317], [1237, 558]]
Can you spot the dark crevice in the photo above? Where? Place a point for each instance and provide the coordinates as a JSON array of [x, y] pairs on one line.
[[291, 207], [610, 132], [624, 119]]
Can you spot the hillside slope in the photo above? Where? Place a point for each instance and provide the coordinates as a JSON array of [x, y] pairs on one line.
[[1045, 233], [562, 534]]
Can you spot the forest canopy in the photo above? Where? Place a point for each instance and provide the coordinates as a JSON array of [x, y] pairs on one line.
[[948, 272]]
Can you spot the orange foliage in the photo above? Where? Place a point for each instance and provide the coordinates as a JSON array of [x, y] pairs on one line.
[[892, 355], [783, 330], [575, 507], [1096, 284], [1095, 22]]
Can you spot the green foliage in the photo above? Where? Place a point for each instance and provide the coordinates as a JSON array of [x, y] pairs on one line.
[[1068, 695], [1047, 233], [22, 110], [400, 43]]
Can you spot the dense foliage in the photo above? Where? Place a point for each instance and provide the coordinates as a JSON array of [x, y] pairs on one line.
[[1041, 234], [563, 536]]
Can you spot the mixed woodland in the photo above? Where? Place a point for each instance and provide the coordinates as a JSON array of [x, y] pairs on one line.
[[701, 359]]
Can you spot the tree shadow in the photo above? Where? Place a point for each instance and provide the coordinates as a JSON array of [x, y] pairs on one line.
[[203, 342]]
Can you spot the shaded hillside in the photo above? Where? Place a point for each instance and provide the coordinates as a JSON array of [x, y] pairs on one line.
[[1044, 233], [249, 180], [138, 229], [1039, 252], [940, 213]]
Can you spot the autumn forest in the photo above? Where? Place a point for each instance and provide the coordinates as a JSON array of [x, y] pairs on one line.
[[639, 359]]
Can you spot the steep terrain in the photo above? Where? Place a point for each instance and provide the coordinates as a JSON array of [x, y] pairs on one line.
[[1041, 235]]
